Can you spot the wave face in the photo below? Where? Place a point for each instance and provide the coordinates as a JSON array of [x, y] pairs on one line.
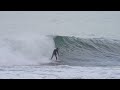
[[88, 51]]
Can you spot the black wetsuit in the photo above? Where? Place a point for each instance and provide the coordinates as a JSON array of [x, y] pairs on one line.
[[55, 52]]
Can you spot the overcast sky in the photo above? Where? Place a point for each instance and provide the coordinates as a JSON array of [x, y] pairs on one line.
[[59, 22]]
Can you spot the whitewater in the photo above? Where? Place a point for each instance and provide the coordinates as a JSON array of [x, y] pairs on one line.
[[86, 49]]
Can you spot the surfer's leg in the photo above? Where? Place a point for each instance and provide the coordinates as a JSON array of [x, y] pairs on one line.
[[56, 57], [52, 56]]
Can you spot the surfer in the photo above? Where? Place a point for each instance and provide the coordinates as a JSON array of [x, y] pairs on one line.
[[55, 53]]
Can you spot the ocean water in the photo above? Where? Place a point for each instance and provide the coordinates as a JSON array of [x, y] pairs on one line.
[[36, 49], [88, 42], [80, 58]]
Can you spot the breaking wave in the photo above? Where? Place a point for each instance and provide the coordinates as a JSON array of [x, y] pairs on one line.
[[25, 50], [35, 49]]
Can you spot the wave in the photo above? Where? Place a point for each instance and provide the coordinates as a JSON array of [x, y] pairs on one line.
[[36, 49], [88, 51]]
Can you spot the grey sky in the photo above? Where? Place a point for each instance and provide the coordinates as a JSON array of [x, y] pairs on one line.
[[59, 22]]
